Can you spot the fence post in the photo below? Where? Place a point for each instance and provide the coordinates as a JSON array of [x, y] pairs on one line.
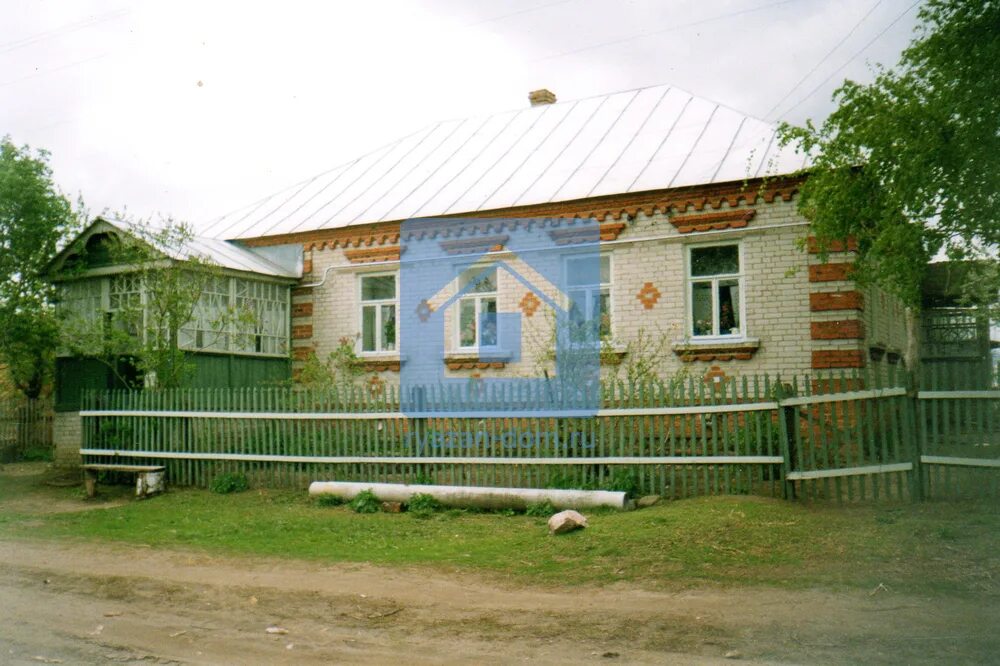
[[917, 426], [787, 423]]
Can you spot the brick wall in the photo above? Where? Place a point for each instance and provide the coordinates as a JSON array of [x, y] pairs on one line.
[[650, 251], [67, 438]]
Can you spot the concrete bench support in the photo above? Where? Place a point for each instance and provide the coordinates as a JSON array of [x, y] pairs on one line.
[[148, 478]]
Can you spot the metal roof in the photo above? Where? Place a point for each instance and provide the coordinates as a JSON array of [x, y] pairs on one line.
[[224, 254], [646, 139]]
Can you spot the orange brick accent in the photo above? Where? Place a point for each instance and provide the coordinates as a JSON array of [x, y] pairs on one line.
[[475, 365], [378, 365], [475, 244], [850, 245], [722, 357], [370, 255], [730, 219], [837, 300], [715, 372], [302, 332], [838, 358], [843, 329], [830, 272], [648, 295], [307, 265], [302, 309], [302, 353], [302, 291], [529, 304]]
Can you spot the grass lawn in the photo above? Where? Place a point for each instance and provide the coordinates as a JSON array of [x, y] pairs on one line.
[[915, 548]]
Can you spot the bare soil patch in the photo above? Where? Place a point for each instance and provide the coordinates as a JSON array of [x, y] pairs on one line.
[[83, 602]]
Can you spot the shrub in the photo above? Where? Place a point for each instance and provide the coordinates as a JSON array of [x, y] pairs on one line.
[[541, 509], [366, 502], [329, 500], [230, 483], [422, 505], [623, 480]]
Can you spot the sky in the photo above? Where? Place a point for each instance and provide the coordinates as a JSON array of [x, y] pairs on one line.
[[190, 110]]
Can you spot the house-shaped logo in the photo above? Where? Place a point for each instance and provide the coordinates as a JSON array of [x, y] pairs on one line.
[[489, 319]]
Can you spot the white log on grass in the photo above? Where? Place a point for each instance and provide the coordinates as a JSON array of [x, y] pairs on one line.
[[474, 497]]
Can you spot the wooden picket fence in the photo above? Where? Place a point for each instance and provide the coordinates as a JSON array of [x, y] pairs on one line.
[[842, 436], [25, 427], [959, 418]]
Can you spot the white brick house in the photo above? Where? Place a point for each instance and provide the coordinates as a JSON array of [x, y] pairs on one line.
[[702, 248]]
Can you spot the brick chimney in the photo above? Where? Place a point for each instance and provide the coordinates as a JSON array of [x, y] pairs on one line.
[[542, 96]]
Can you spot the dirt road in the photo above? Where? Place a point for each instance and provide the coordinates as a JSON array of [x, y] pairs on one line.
[[82, 603]]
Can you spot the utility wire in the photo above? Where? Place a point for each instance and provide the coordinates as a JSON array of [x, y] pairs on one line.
[[69, 27], [850, 60], [527, 10], [673, 28], [823, 60]]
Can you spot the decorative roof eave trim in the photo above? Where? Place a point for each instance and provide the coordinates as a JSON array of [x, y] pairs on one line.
[[368, 255], [611, 207], [728, 219]]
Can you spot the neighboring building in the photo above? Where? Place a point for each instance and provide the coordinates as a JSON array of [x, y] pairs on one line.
[[701, 241], [93, 289]]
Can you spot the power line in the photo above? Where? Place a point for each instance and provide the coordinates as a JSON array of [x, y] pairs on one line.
[[69, 27], [527, 10], [650, 33], [823, 59], [850, 60]]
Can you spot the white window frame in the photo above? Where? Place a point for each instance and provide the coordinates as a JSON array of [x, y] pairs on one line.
[[478, 297], [740, 277], [590, 288], [377, 303]]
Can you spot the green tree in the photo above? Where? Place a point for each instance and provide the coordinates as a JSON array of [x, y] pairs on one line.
[[909, 164], [34, 217]]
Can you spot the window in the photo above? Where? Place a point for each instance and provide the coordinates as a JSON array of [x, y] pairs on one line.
[[477, 308], [378, 313], [589, 290], [715, 291]]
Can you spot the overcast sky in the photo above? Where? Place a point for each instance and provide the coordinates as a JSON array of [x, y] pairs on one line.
[[193, 109]]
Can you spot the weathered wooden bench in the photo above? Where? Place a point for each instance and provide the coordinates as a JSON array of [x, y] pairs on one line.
[[148, 478]]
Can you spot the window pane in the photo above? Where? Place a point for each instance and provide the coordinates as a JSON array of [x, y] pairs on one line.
[[485, 279], [603, 311], [488, 321], [378, 287], [729, 307], [368, 328], [715, 260], [701, 308], [467, 323], [584, 271], [388, 328]]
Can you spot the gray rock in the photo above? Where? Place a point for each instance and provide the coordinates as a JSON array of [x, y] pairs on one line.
[[647, 501], [566, 521]]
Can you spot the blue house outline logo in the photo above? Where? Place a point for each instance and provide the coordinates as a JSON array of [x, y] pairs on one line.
[[428, 270]]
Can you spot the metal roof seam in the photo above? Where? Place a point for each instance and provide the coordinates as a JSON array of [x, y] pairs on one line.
[[503, 129], [663, 142], [729, 148], [590, 153], [704, 128], [628, 144], [318, 192], [436, 169], [526, 159], [498, 159], [560, 153], [387, 171], [403, 177], [763, 155]]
